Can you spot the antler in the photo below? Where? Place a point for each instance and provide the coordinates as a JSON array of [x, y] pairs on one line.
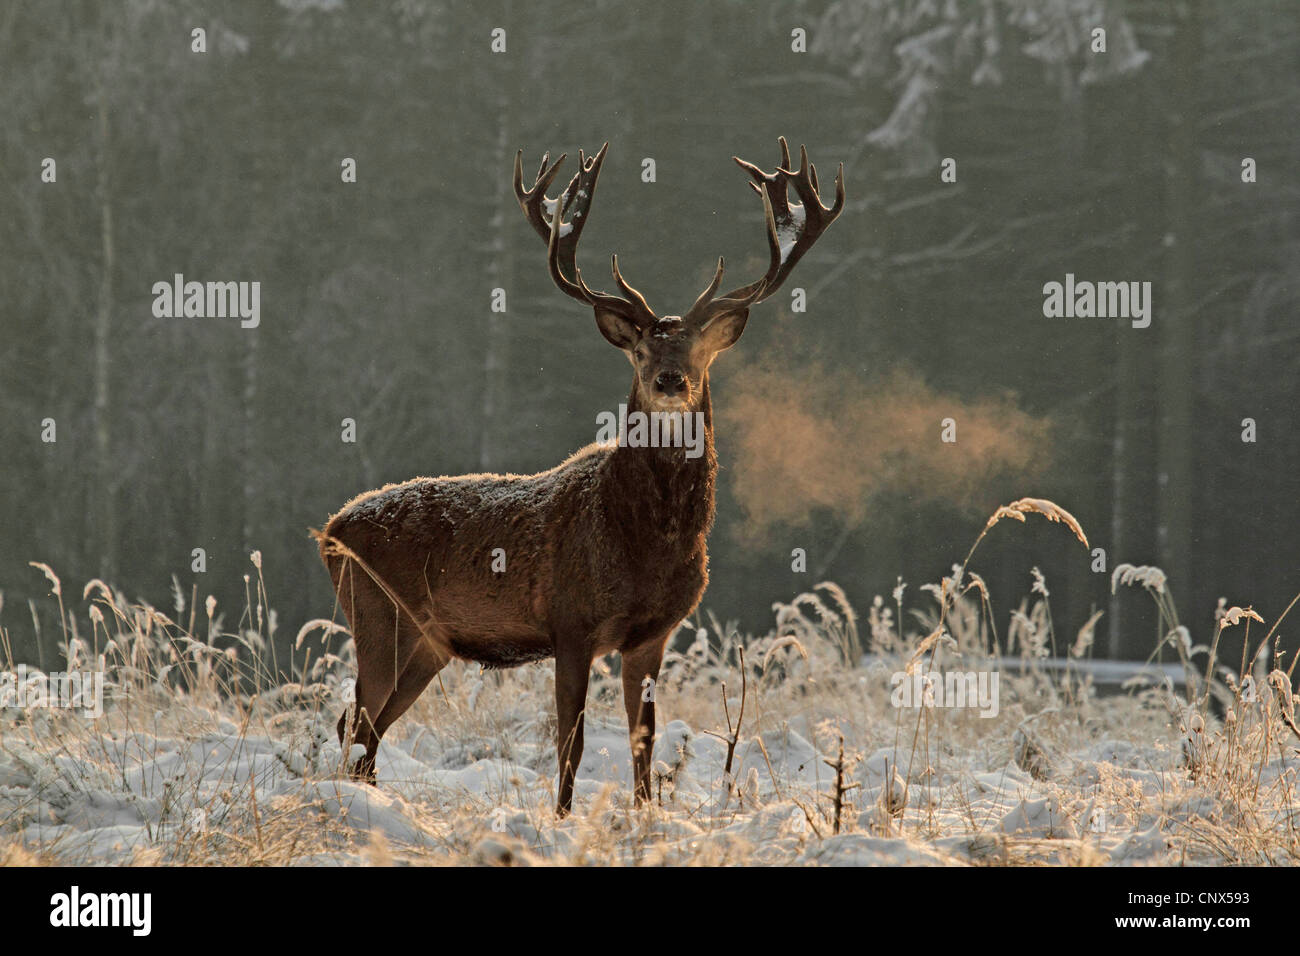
[[547, 216], [791, 230]]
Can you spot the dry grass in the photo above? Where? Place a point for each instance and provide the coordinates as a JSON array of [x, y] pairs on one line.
[[200, 758]]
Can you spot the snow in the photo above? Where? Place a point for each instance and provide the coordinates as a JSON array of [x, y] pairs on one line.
[[501, 803], [1057, 775], [788, 232]]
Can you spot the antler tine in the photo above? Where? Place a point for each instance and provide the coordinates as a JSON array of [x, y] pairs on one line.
[[632, 307], [707, 295], [809, 192], [534, 202], [547, 217], [791, 230], [785, 152], [631, 294], [578, 289], [706, 307]]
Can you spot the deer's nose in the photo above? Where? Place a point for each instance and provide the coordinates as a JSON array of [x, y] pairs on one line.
[[670, 382]]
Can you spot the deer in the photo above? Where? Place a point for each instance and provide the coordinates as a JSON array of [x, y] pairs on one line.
[[606, 552]]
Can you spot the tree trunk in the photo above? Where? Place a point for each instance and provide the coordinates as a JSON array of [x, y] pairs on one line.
[[496, 355], [104, 539], [249, 531], [1175, 325]]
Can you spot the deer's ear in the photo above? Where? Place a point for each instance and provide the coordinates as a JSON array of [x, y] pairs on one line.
[[725, 329], [618, 331]]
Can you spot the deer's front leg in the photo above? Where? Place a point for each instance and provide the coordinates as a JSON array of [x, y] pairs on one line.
[[639, 699], [572, 670]]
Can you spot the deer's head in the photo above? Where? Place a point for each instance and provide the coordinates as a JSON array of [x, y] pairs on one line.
[[672, 354]]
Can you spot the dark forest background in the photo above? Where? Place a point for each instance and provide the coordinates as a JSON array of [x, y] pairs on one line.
[[924, 301]]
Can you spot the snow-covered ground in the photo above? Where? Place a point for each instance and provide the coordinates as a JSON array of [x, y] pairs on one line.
[[182, 767]]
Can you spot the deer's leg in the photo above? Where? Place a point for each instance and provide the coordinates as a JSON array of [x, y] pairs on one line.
[[380, 700], [639, 698], [361, 730], [572, 671], [424, 663], [383, 644]]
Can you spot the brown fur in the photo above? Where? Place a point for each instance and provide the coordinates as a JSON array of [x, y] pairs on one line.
[[605, 552]]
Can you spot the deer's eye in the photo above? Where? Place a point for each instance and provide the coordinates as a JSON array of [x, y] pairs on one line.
[[640, 352]]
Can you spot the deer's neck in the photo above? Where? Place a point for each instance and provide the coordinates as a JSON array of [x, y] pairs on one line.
[[665, 494]]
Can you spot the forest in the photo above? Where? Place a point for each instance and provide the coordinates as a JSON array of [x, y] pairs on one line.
[[354, 168]]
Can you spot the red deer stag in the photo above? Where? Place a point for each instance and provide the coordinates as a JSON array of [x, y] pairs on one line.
[[604, 552]]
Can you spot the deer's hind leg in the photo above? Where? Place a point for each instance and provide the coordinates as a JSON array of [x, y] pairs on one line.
[[386, 642], [423, 665]]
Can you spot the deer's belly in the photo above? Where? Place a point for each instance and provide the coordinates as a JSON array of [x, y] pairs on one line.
[[498, 651], [493, 633]]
